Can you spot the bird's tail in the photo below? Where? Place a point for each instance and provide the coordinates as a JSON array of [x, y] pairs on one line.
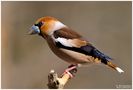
[[105, 60], [110, 64]]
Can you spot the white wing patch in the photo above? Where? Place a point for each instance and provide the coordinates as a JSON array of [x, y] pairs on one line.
[[65, 42], [71, 42]]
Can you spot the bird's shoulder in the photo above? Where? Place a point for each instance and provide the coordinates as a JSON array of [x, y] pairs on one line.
[[66, 33]]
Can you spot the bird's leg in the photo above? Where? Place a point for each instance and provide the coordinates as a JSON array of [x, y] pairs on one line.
[[71, 70]]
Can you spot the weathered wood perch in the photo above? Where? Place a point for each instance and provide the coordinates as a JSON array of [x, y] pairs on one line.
[[55, 82]]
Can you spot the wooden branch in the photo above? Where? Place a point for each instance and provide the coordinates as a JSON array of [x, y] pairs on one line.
[[55, 82]]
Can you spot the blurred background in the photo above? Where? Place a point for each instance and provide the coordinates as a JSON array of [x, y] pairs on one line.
[[27, 60]]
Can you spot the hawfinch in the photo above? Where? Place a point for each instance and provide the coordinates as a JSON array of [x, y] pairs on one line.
[[68, 44]]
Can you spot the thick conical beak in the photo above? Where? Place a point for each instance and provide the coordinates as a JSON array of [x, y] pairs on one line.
[[34, 30]]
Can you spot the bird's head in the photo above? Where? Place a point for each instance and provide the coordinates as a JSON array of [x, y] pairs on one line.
[[46, 26]]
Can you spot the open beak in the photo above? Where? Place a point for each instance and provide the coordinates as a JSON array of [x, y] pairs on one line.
[[34, 30]]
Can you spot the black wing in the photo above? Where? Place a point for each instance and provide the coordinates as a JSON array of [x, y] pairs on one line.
[[87, 50]]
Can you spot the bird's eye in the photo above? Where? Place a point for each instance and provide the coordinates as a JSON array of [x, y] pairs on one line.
[[39, 24]]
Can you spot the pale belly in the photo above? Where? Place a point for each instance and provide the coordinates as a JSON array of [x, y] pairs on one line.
[[70, 56]]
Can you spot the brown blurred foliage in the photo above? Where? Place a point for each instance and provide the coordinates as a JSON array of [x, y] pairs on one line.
[[27, 60]]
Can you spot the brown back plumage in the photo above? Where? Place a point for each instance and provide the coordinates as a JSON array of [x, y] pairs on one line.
[[66, 33]]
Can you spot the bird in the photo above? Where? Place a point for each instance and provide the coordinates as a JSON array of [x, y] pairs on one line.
[[69, 45]]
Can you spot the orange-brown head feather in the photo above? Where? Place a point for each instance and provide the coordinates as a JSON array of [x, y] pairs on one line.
[[49, 24], [46, 19]]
